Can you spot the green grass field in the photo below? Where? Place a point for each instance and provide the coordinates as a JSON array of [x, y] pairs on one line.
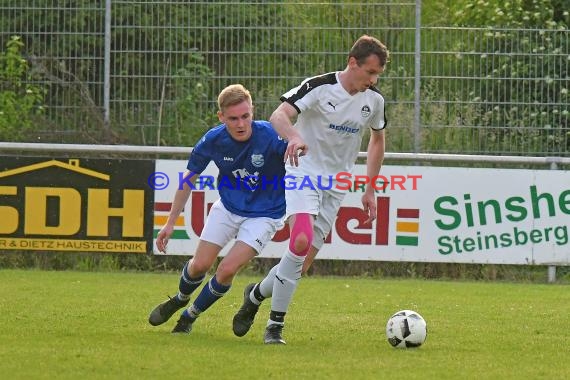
[[92, 325]]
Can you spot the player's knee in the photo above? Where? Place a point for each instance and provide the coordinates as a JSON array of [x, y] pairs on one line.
[[299, 244], [198, 268], [301, 235], [225, 273]]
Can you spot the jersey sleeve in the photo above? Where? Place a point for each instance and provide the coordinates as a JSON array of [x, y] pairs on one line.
[[379, 120], [279, 145], [301, 97], [200, 156]]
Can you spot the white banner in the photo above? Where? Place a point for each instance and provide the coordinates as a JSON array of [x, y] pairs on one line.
[[425, 214]]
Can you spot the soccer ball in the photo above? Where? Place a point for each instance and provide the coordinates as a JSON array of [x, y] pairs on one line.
[[406, 329]]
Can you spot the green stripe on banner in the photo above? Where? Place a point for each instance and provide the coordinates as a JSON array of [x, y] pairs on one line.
[[407, 240], [177, 234]]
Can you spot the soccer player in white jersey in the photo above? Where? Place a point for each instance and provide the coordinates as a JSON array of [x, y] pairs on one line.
[[249, 156], [332, 111]]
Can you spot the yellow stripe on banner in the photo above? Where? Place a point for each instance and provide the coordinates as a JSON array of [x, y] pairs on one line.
[[160, 220], [407, 227]]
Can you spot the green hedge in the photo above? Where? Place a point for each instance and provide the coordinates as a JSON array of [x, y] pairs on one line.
[[168, 264]]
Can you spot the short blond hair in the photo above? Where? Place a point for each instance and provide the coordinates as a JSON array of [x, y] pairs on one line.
[[232, 95]]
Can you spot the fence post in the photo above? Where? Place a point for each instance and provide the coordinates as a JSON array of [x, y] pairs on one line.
[[552, 273], [107, 73], [552, 268], [417, 78]]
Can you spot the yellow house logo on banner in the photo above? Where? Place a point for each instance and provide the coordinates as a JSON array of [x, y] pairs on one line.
[[56, 205]]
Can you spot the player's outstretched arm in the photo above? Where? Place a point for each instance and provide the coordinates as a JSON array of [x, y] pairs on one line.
[[281, 122], [180, 199]]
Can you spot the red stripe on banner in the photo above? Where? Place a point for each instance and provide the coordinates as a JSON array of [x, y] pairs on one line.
[[162, 206], [408, 213], [382, 220]]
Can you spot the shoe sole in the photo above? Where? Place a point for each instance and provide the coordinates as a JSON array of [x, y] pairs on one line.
[[181, 332], [276, 342]]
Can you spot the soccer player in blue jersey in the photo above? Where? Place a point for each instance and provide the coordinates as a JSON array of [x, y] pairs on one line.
[[332, 113], [249, 155]]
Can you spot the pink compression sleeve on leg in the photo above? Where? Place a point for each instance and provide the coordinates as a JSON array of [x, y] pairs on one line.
[[301, 235]]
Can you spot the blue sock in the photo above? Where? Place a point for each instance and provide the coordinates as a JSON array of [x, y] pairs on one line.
[[188, 285], [211, 292]]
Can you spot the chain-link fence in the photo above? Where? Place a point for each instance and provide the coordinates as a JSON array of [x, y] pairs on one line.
[[148, 72]]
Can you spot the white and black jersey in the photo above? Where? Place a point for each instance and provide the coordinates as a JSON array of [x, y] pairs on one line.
[[332, 123]]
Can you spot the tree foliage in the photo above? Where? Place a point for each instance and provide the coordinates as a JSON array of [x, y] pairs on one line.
[[20, 100], [525, 91], [170, 59]]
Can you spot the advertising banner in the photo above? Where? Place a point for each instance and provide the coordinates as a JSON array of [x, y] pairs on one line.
[[80, 205], [424, 214]]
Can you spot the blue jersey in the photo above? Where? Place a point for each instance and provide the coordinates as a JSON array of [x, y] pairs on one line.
[[250, 172]]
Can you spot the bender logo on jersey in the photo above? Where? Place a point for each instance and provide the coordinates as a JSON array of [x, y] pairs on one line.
[[75, 205]]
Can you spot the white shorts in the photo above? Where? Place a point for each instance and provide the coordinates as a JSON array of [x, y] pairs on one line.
[[323, 204], [222, 226]]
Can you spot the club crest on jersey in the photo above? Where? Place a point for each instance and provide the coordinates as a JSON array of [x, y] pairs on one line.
[[257, 160], [365, 111]]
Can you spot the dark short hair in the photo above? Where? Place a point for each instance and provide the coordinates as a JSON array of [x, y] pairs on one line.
[[365, 46]]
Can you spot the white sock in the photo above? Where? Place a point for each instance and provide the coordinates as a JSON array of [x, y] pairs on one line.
[[286, 280], [266, 285], [183, 297]]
